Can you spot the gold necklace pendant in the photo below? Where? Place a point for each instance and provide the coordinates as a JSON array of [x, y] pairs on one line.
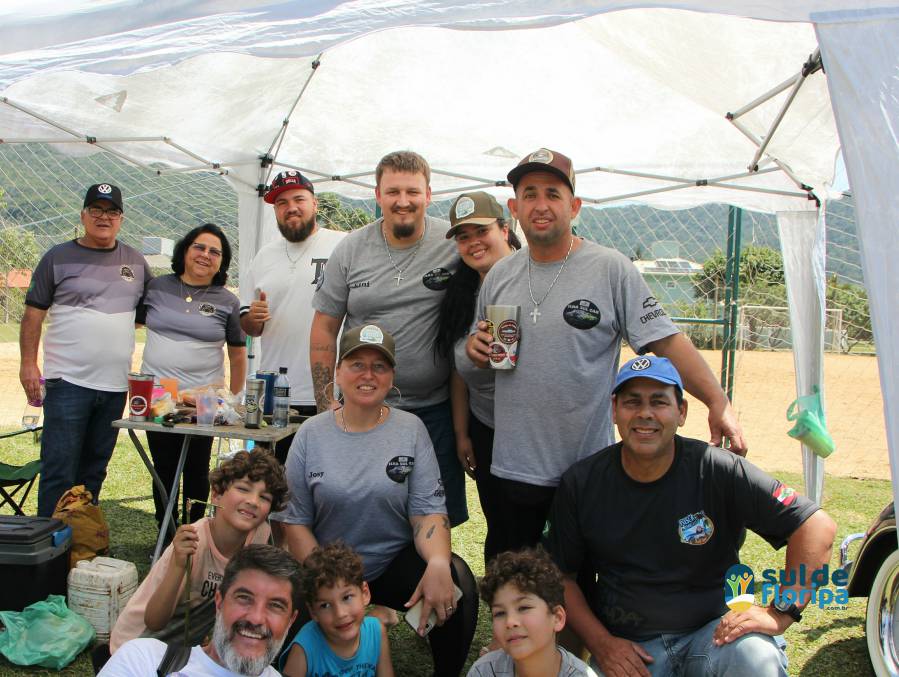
[[188, 298]]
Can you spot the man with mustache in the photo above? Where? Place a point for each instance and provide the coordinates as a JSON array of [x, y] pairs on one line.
[[276, 292], [87, 290], [255, 605], [393, 273]]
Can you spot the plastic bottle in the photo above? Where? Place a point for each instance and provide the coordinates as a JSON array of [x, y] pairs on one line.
[[281, 392]]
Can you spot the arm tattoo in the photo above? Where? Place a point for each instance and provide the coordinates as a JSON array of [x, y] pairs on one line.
[[321, 377], [416, 531], [430, 531], [446, 523]]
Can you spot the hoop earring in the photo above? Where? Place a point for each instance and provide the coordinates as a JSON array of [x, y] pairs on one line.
[[398, 393], [333, 387]]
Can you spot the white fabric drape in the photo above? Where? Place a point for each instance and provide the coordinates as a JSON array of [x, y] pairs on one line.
[[862, 62], [803, 247]]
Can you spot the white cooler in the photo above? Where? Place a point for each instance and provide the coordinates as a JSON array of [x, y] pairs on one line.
[[99, 589]]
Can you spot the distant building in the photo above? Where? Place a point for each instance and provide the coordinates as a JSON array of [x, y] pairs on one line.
[[669, 277], [158, 251], [17, 278]]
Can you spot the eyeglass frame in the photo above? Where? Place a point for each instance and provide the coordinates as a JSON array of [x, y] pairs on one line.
[[203, 249], [98, 212]]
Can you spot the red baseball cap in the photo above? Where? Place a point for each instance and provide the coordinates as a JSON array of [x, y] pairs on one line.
[[288, 180]]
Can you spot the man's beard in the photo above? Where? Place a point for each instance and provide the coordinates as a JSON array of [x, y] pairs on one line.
[[243, 665], [401, 231], [299, 233]]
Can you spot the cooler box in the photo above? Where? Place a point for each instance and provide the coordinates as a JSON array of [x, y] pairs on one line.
[[99, 589], [34, 559]]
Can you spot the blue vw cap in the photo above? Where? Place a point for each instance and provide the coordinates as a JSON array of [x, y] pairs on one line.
[[649, 366]]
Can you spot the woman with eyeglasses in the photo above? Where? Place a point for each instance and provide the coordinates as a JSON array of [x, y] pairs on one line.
[[366, 474], [189, 317]]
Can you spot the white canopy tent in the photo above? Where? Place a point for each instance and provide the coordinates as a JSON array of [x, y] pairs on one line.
[[638, 93]]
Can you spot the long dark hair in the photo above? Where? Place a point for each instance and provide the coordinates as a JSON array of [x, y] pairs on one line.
[[185, 242], [459, 302]]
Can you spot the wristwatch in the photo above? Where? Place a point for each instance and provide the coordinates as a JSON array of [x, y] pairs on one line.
[[790, 609]]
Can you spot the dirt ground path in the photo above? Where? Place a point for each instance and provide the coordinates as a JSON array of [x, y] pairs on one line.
[[765, 386]]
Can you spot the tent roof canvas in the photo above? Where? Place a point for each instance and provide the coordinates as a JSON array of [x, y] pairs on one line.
[[645, 91]]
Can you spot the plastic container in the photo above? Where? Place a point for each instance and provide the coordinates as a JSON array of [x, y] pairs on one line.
[[99, 590], [34, 559], [281, 391], [207, 404]]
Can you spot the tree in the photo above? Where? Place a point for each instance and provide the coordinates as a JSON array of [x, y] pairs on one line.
[[762, 279], [853, 300], [334, 214], [18, 251]]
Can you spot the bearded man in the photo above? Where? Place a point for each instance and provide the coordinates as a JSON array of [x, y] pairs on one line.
[[276, 292]]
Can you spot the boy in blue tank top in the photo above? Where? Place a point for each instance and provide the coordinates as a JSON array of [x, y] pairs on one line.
[[340, 639]]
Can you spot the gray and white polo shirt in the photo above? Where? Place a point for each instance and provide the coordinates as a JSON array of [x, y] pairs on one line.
[[90, 295], [185, 338]]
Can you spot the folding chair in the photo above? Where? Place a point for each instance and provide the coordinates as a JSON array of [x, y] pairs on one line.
[[18, 478]]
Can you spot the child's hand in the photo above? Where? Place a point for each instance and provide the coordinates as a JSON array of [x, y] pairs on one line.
[[184, 544]]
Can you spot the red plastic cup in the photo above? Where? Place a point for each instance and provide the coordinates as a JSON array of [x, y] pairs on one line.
[[140, 393]]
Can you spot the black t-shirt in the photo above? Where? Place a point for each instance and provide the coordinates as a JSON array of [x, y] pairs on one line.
[[659, 550]]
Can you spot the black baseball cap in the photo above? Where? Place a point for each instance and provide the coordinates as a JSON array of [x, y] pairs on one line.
[[103, 191]]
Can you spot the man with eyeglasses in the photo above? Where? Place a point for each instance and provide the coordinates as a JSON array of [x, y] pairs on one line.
[[89, 287]]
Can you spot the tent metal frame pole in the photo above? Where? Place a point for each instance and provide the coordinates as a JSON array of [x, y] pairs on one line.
[[473, 186], [731, 299], [100, 142], [726, 331], [275, 146], [124, 139], [783, 167], [800, 79], [812, 65], [767, 96]]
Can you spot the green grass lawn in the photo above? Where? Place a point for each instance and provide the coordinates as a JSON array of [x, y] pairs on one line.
[[826, 643]]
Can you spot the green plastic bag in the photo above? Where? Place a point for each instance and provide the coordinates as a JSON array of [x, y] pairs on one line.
[[810, 427], [46, 633]]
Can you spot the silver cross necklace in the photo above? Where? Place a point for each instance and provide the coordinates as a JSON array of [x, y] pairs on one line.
[[535, 313], [399, 271]]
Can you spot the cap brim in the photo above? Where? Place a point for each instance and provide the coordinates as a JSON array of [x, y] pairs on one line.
[[515, 175], [479, 221], [272, 195], [104, 198], [375, 346], [660, 379]]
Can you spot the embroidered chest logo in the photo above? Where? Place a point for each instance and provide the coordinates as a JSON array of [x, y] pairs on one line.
[[126, 273], [437, 279], [695, 529], [399, 467], [582, 314], [206, 309]]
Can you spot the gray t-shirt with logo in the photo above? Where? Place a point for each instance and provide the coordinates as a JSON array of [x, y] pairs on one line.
[[363, 487], [554, 407], [360, 282]]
